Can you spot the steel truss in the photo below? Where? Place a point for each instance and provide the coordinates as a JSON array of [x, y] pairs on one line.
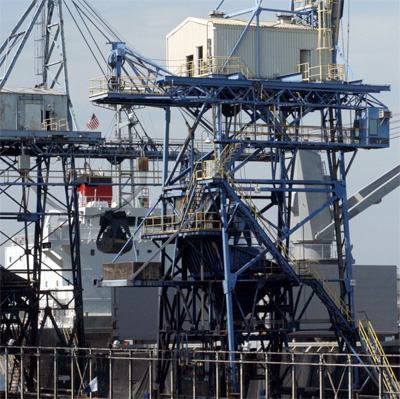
[[231, 279], [48, 186]]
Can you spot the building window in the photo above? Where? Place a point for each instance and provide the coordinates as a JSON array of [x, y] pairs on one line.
[[92, 252], [373, 127]]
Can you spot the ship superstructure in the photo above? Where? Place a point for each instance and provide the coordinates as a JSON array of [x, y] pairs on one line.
[[101, 307]]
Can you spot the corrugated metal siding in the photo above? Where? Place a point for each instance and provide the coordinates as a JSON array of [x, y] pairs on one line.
[[185, 41], [280, 48], [226, 37], [24, 109], [280, 44]]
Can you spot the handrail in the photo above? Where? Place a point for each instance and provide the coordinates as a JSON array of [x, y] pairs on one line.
[[378, 354], [53, 124], [221, 65], [321, 72], [302, 4], [189, 188], [123, 84], [221, 171], [168, 224]]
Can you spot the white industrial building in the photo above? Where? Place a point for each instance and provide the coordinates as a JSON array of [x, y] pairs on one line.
[[200, 46]]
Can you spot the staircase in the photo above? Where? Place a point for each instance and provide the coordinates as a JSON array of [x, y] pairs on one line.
[[305, 272], [310, 275], [373, 347], [14, 373]]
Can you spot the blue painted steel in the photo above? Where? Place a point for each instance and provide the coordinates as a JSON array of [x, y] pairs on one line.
[[353, 76], [275, 104], [228, 285], [166, 147], [116, 58]]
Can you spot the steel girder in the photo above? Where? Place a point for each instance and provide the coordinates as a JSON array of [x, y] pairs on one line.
[[248, 246], [242, 222], [193, 92]]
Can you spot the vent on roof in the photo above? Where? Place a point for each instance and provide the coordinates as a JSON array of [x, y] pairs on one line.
[[216, 14], [285, 18]]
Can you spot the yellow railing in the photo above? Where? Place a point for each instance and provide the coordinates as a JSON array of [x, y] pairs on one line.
[[302, 4], [321, 72], [52, 124], [306, 134], [215, 65], [303, 269], [301, 134], [189, 188], [123, 84], [169, 224], [379, 357]]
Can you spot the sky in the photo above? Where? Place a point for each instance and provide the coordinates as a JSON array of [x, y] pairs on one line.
[[374, 57]]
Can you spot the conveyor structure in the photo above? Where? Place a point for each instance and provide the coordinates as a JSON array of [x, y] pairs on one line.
[[231, 279]]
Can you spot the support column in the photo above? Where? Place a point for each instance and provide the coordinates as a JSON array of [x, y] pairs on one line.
[[228, 287], [350, 377], [228, 284], [321, 377]]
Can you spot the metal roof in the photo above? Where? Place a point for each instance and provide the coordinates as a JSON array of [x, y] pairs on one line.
[[235, 22], [31, 90]]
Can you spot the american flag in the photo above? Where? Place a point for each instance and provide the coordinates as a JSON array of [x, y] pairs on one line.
[[93, 122]]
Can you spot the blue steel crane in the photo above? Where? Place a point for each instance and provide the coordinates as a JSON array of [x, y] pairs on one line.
[[27, 160], [231, 277]]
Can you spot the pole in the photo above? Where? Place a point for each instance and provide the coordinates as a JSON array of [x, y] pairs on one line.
[[72, 373], [110, 391], [194, 380], [90, 367], [217, 376], [150, 378], [350, 377], [22, 374], [130, 374], [55, 374], [267, 387], [321, 377], [7, 376], [294, 393], [38, 373], [241, 376]]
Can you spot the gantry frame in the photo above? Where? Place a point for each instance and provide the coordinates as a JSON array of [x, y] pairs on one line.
[[210, 276]]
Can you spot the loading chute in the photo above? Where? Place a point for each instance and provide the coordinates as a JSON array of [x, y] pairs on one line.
[[114, 233]]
